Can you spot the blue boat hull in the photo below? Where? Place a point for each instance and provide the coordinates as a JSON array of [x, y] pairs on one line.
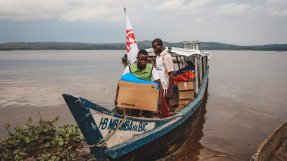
[[170, 142], [162, 136]]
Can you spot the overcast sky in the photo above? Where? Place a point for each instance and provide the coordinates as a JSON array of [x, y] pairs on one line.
[[245, 22]]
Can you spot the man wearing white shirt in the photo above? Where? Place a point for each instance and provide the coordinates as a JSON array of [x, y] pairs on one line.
[[164, 66]]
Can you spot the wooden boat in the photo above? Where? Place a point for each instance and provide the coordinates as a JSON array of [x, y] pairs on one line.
[[121, 137], [274, 148]]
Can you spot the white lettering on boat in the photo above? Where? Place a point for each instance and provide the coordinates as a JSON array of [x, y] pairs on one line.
[[127, 129], [128, 125]]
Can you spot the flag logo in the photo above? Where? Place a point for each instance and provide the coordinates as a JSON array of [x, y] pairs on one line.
[[130, 39], [131, 44]]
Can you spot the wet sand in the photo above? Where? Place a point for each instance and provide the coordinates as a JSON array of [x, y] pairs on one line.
[[247, 95], [17, 115]]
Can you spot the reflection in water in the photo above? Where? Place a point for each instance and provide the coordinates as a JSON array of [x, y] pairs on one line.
[[191, 149]]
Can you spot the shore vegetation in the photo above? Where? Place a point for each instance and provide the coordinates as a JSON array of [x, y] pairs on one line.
[[43, 140]]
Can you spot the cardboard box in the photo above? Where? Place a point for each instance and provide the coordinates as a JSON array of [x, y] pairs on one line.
[[173, 102], [186, 95], [137, 96], [184, 101], [182, 86]]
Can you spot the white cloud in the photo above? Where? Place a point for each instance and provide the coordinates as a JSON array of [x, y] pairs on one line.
[[172, 5], [192, 19], [277, 12], [93, 10], [276, 8], [90, 14], [276, 2], [183, 5], [67, 10], [233, 9]]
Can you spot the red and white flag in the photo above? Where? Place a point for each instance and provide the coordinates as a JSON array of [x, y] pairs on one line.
[[131, 44]]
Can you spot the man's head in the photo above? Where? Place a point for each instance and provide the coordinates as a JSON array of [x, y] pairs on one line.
[[142, 58], [157, 46]]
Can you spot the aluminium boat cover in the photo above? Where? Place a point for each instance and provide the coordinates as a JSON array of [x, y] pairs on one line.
[[183, 51]]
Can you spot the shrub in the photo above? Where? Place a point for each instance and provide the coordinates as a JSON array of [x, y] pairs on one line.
[[41, 141]]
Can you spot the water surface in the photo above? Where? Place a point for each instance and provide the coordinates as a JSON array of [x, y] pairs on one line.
[[246, 99]]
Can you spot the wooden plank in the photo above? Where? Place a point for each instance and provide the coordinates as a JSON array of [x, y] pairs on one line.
[[186, 95], [173, 102], [184, 101], [182, 86]]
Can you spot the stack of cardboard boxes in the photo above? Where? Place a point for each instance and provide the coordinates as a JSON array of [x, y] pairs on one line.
[[186, 92]]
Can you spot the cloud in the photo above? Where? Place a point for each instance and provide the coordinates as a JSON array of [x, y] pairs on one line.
[[277, 12], [109, 10], [172, 5], [91, 10], [276, 2], [183, 5], [276, 8], [66, 10], [173, 20], [233, 9], [90, 14]]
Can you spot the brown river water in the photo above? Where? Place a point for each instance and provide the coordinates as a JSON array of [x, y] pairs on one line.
[[246, 97]]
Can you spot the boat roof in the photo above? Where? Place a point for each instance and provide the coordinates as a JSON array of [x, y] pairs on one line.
[[181, 52]]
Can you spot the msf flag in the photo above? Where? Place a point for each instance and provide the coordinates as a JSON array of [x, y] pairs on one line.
[[131, 44]]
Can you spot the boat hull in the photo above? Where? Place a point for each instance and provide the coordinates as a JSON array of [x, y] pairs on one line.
[[167, 135], [167, 144]]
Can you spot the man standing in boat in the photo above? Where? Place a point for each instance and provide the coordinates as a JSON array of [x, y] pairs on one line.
[[142, 70], [164, 66]]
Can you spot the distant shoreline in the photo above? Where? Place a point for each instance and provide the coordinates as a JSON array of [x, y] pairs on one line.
[[122, 46]]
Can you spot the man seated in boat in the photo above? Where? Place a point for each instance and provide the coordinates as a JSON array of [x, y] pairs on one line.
[[142, 70]]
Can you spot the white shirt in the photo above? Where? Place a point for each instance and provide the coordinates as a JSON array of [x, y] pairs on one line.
[[164, 64], [154, 73]]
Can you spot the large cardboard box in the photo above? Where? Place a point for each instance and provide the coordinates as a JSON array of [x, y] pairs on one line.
[[137, 96], [184, 101], [182, 86], [186, 95]]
